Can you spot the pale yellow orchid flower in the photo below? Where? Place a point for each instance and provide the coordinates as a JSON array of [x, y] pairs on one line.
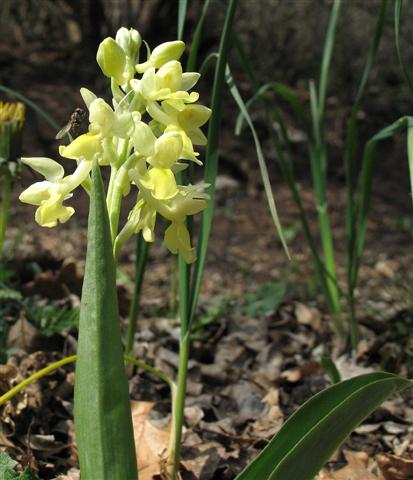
[[50, 194], [186, 122], [162, 54], [177, 240], [167, 83]]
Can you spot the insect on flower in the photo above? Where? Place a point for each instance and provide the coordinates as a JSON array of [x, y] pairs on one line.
[[74, 123]]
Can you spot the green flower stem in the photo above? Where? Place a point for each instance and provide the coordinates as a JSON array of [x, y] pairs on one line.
[[109, 194], [154, 371], [54, 366], [178, 405], [36, 376], [118, 181], [5, 208], [114, 213]]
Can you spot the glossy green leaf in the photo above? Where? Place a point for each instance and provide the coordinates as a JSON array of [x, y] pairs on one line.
[[312, 434], [103, 421]]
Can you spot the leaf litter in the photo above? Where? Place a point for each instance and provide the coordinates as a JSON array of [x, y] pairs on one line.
[[251, 366]]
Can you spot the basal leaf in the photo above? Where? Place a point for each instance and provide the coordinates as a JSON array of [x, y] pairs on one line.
[[313, 433]]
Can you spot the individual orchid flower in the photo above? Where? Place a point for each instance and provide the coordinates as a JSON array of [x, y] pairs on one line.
[[186, 122], [167, 83], [189, 200], [85, 147], [162, 54], [162, 153], [50, 194], [108, 123]]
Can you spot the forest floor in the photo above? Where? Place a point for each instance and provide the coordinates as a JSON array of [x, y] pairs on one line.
[[260, 332]]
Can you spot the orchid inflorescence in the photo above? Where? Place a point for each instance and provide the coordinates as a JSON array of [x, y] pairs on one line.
[[154, 123]]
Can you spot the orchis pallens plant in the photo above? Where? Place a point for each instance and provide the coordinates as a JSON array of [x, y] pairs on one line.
[[153, 124]]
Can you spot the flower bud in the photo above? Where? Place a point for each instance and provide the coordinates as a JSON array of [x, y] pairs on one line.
[[162, 54], [112, 60], [130, 41], [166, 52]]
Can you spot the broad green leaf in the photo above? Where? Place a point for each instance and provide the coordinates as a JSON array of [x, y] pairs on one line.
[[312, 434], [103, 421]]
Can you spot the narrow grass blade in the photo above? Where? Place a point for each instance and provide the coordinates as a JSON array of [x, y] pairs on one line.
[[316, 429], [351, 141], [261, 160], [282, 147], [246, 62], [103, 421], [209, 61], [330, 368], [364, 190], [212, 154], [184, 270], [398, 4], [196, 40], [182, 6], [327, 54], [286, 166], [287, 94], [410, 151], [350, 162]]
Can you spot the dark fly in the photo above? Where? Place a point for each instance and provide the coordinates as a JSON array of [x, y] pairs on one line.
[[74, 123]]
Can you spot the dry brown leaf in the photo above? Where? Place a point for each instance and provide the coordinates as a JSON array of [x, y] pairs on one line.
[[394, 467], [21, 335], [151, 442], [359, 467], [294, 375], [308, 315]]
